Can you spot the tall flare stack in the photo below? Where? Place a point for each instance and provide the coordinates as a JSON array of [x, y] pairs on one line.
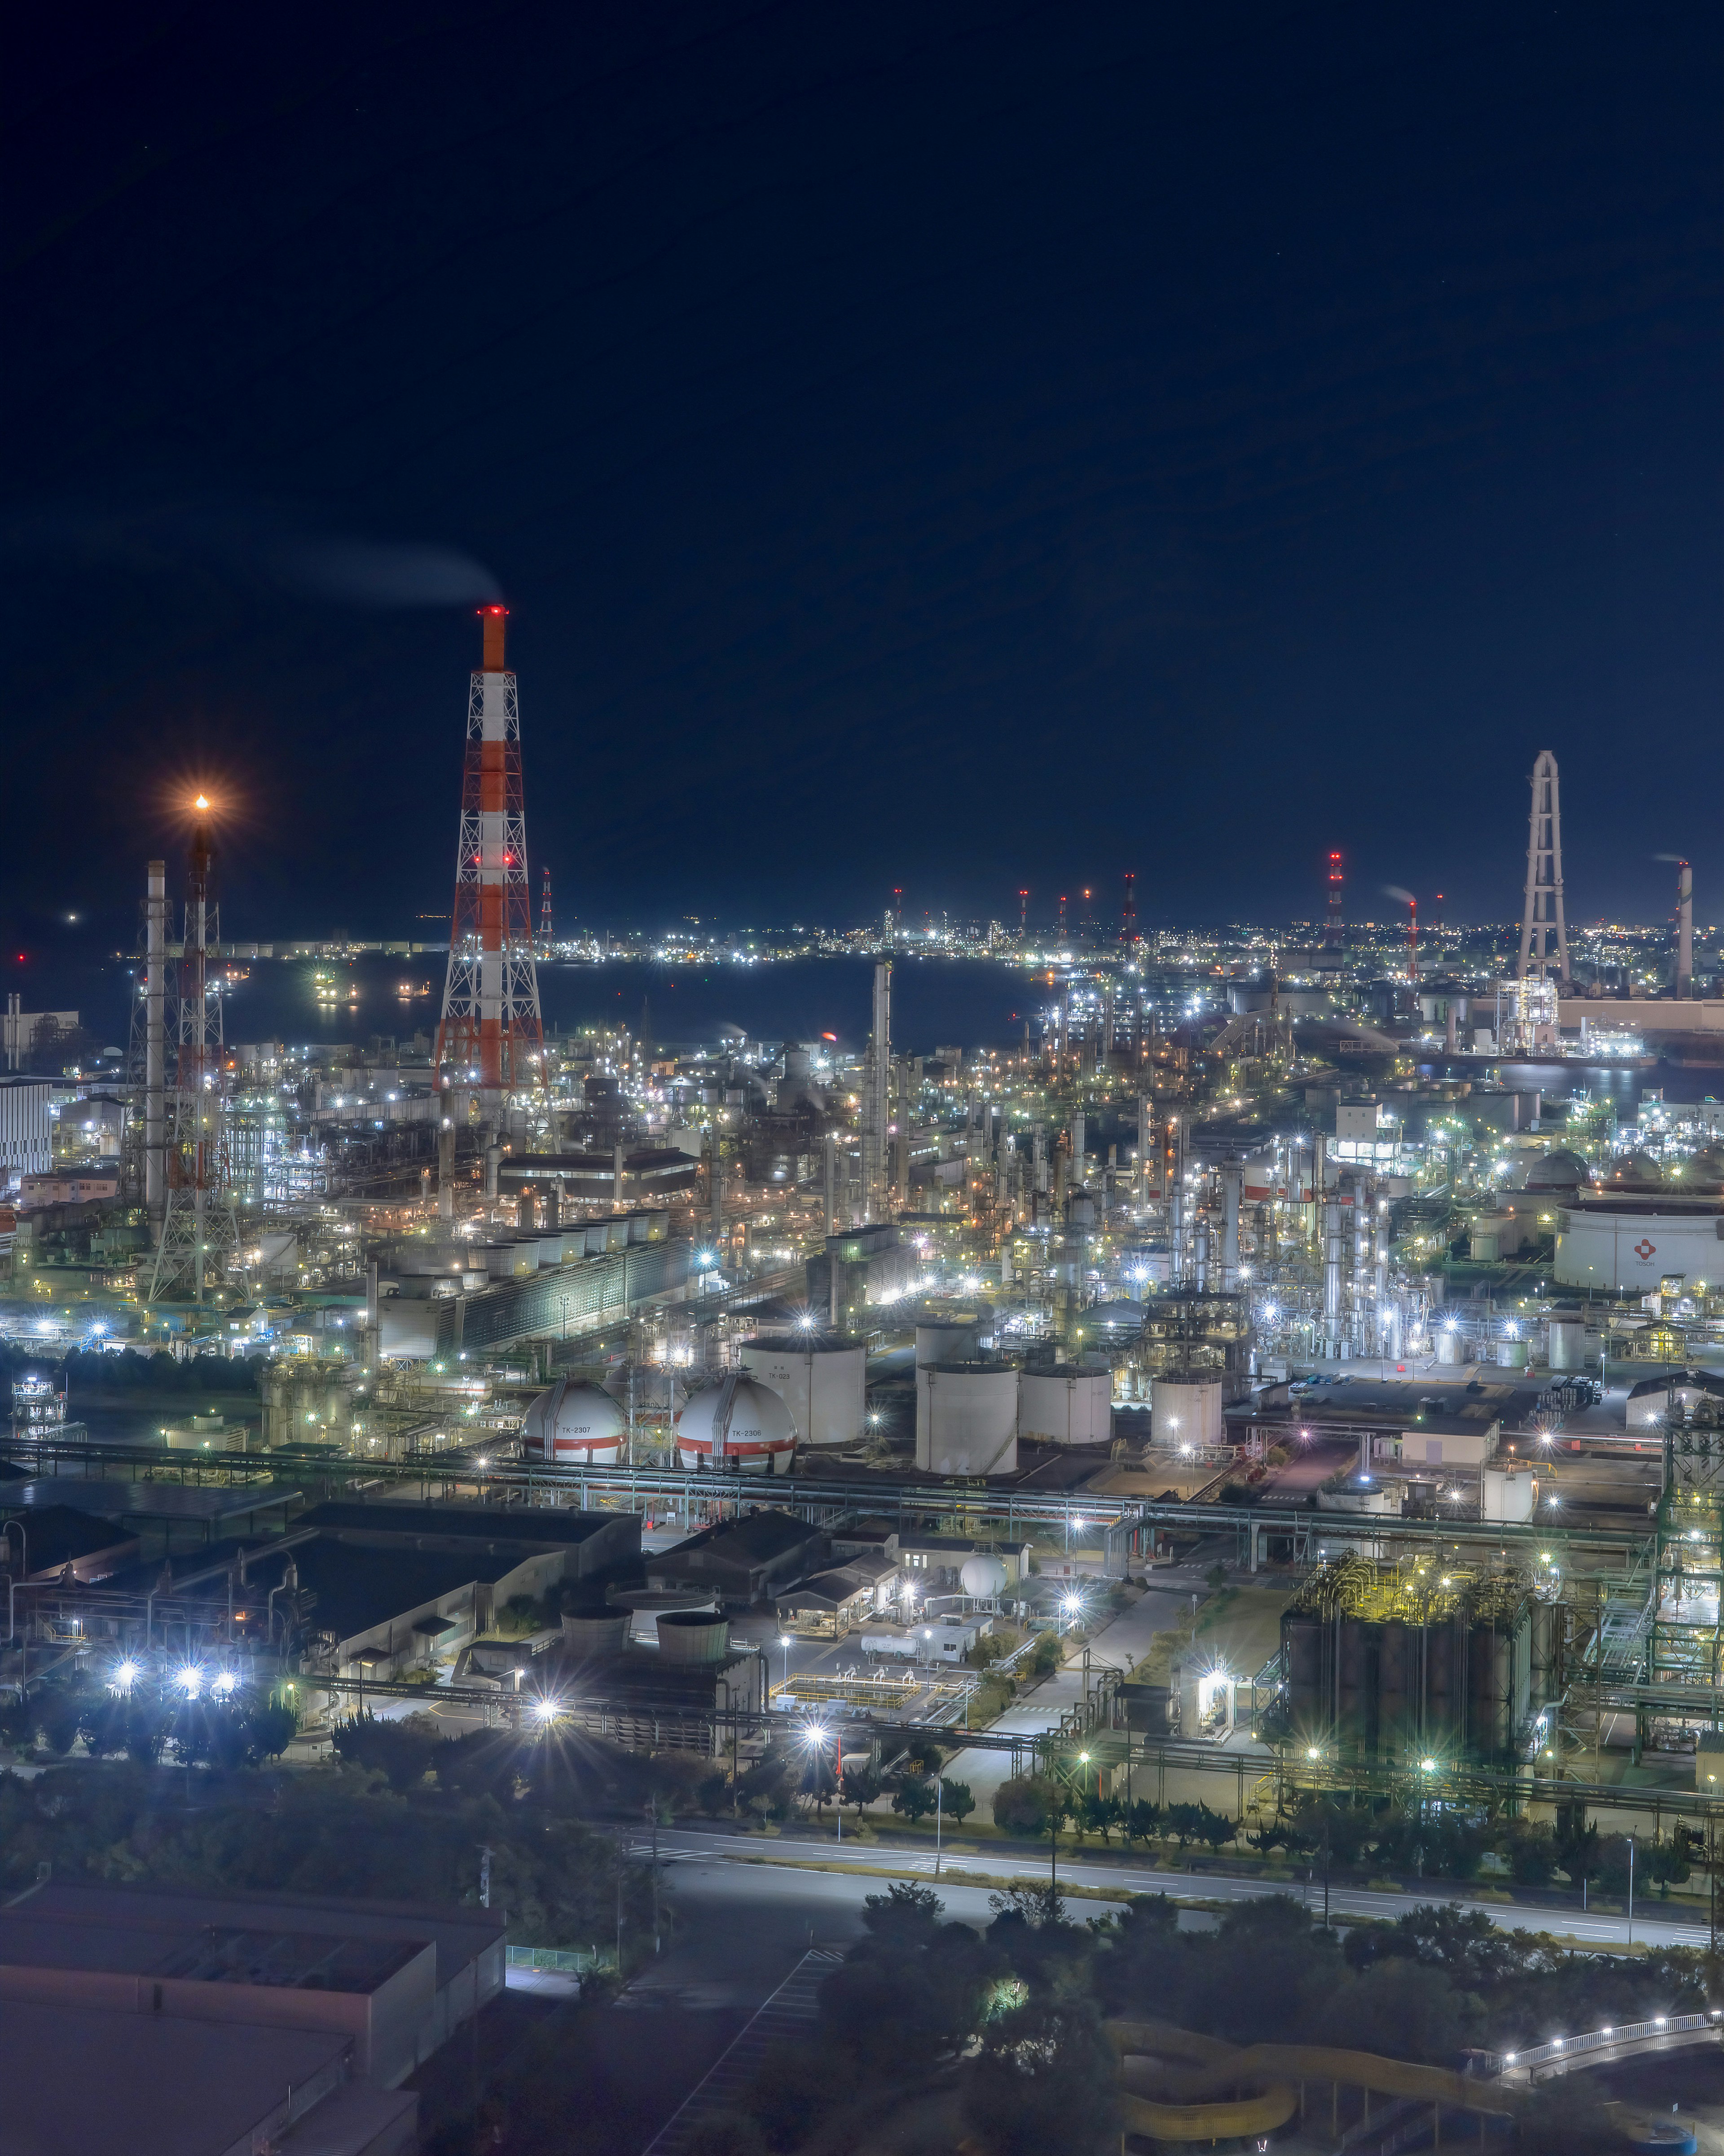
[[491, 1035]]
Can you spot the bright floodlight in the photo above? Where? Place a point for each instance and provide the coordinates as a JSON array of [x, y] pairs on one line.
[[705, 1258], [1310, 1751], [190, 1680], [225, 1683], [1072, 1602], [125, 1675], [1429, 1766], [806, 1319], [545, 1709]]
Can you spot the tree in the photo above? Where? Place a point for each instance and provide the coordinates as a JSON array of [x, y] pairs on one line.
[[1099, 1814], [1213, 1830], [956, 1800], [1026, 1803], [914, 1798], [861, 1787], [1045, 2079], [1185, 1823], [908, 1914], [1142, 1821]]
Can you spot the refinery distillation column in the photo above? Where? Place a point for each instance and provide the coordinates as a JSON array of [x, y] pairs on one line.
[[876, 1102], [156, 1047], [200, 1231], [490, 1033]]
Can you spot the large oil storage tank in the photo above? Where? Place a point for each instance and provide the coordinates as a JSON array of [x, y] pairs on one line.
[[573, 1425], [941, 1340], [737, 1424], [967, 1418], [823, 1381], [1185, 1411], [1066, 1403]]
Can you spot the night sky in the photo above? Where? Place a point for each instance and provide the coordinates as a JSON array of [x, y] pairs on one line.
[[956, 447]]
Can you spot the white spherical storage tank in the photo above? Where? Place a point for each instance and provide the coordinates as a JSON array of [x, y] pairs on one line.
[[574, 1425], [1185, 1411], [983, 1577], [1070, 1405], [824, 1384], [739, 1424], [967, 1418]]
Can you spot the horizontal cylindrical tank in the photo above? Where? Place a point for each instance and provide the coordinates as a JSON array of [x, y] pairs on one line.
[[739, 1424], [1071, 1404], [602, 1632], [823, 1381], [691, 1635], [969, 1413], [1185, 1411], [573, 1425]]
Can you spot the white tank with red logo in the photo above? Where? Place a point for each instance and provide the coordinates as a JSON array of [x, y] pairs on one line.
[[738, 1425], [574, 1424]]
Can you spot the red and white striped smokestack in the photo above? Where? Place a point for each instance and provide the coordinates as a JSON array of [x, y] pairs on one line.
[[491, 1027]]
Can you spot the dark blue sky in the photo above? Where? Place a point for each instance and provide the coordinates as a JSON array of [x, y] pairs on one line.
[[953, 447]]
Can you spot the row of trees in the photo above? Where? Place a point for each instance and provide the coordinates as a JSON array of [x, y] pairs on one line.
[[243, 1731], [340, 1831], [1041, 1803]]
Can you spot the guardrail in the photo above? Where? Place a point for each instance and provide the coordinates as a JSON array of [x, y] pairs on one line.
[[563, 1961], [1597, 2040]]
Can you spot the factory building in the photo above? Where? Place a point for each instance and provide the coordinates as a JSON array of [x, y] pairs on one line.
[[678, 1698], [743, 1561], [251, 2020]]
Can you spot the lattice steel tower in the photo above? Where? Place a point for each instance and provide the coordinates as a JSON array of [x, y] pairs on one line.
[[200, 1226], [1542, 918], [490, 1035]]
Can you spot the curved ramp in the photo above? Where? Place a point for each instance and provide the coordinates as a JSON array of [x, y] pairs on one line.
[[1205, 2089]]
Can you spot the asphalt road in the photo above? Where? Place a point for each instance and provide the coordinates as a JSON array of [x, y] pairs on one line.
[[711, 1851]]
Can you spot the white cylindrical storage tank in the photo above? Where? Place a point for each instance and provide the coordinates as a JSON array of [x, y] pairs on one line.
[[1510, 1493], [596, 1236], [502, 1260], [1185, 1411], [739, 1424], [691, 1635], [602, 1632], [969, 1412], [1452, 1345], [1071, 1404], [938, 1341], [823, 1381], [574, 1425]]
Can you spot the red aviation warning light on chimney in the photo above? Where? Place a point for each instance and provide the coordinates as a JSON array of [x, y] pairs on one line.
[[490, 1032]]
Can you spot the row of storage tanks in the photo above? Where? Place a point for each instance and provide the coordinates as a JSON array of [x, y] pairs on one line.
[[970, 1413], [814, 1393], [516, 1254]]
